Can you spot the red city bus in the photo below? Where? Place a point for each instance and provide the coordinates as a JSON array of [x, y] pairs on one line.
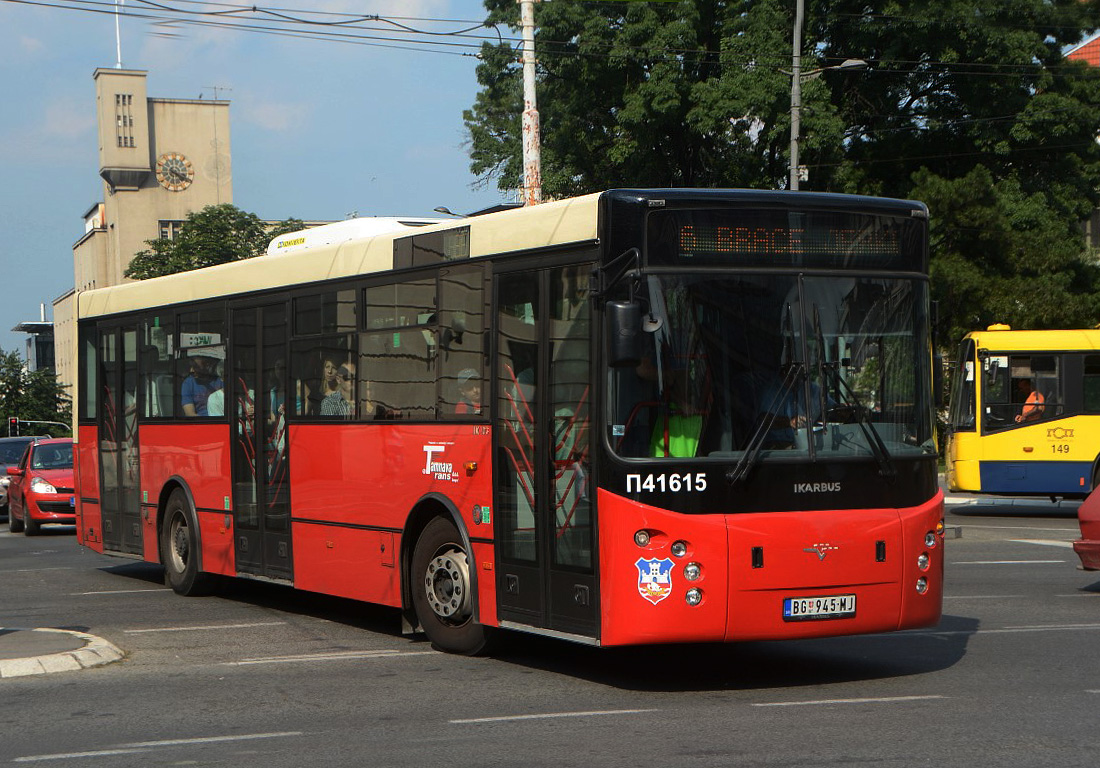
[[638, 416]]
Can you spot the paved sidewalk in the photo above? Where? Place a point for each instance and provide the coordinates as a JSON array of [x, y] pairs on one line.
[[45, 650]]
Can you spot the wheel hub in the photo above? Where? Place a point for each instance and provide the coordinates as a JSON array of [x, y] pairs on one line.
[[447, 584]]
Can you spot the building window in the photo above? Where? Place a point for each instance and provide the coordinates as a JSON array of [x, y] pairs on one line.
[[124, 119], [170, 230]]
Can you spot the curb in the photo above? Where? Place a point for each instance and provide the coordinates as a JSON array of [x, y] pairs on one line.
[[96, 651]]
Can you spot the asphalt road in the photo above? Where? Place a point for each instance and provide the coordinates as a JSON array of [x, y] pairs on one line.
[[264, 676]]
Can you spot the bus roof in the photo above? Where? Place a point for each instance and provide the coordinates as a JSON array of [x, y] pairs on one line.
[[1036, 341], [519, 229], [349, 229]]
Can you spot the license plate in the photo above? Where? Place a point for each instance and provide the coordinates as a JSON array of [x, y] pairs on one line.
[[820, 607], [72, 502]]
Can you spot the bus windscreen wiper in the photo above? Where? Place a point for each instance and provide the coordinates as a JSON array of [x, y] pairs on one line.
[[795, 372], [874, 440]]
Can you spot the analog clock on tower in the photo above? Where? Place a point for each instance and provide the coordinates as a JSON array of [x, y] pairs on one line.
[[174, 171]]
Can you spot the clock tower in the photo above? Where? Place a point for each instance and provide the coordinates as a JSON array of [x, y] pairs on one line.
[[159, 159]]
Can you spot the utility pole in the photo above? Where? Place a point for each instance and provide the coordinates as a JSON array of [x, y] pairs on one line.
[[532, 162], [796, 90]]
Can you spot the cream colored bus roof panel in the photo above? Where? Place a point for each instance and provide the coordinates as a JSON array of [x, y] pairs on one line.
[[555, 223], [342, 231]]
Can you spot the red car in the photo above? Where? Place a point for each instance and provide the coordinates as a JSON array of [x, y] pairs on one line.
[[1088, 546], [41, 488]]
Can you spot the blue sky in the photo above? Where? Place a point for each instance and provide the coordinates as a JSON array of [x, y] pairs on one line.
[[319, 129]]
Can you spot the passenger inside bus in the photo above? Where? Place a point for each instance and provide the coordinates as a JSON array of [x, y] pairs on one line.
[[339, 402], [200, 383], [1034, 402], [469, 392]]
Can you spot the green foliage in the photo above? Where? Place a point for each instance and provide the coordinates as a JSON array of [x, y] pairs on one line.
[[32, 396], [217, 234], [968, 105]]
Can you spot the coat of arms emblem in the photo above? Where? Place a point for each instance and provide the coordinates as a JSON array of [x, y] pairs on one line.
[[654, 578]]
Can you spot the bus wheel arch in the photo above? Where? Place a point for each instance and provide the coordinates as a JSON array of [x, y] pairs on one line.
[[439, 582], [179, 541]]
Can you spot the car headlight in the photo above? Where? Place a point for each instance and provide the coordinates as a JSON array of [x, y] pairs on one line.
[[38, 485], [4, 481]]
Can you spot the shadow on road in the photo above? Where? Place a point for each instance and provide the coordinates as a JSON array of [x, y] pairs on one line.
[[1035, 508], [751, 666], [682, 667]]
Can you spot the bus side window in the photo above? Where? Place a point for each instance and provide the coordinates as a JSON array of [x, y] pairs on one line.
[[1092, 384], [998, 411]]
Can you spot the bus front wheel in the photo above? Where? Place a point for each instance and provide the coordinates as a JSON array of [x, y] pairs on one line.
[[179, 548], [441, 591]]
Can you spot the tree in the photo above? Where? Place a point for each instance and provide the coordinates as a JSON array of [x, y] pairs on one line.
[[217, 234], [967, 104], [32, 396]]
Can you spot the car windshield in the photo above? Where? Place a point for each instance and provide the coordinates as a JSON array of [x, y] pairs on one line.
[[12, 451], [781, 365], [52, 456]]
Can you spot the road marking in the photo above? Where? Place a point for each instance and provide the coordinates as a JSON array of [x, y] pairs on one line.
[[203, 628], [1002, 631], [145, 746], [1006, 562], [882, 700], [982, 597], [1037, 627], [551, 715], [36, 570], [1071, 531], [333, 656], [1044, 542], [163, 590], [1081, 594]]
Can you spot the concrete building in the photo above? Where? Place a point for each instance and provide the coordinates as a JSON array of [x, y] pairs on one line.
[[159, 159]]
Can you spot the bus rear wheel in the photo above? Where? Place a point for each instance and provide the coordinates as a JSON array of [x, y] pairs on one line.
[[179, 549], [441, 591]]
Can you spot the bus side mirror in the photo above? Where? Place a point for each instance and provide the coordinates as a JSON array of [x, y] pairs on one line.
[[624, 333]]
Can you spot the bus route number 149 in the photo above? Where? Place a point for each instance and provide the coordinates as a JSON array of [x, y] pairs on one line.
[[662, 482]]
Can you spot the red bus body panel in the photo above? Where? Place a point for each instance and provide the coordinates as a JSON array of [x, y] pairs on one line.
[[199, 455], [89, 521], [354, 487], [805, 554]]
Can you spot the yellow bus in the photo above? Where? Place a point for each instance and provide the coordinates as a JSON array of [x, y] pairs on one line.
[[1025, 413]]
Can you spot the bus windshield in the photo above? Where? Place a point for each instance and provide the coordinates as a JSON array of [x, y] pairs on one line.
[[787, 365]]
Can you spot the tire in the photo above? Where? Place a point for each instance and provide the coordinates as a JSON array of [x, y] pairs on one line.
[[31, 527], [15, 526], [441, 591], [179, 549]]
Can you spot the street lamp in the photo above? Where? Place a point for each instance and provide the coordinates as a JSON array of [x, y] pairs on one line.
[[797, 76]]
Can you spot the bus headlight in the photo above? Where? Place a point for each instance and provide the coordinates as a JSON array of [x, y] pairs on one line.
[[679, 548], [694, 596], [930, 540], [922, 585], [641, 538], [693, 571], [922, 561]]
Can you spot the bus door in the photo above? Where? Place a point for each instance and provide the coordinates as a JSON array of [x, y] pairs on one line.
[[545, 504], [118, 440], [260, 460]]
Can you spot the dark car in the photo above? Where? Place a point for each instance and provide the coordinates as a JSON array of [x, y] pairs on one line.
[[11, 450], [41, 488]]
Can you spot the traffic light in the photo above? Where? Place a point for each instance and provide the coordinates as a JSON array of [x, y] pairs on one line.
[[13, 426]]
